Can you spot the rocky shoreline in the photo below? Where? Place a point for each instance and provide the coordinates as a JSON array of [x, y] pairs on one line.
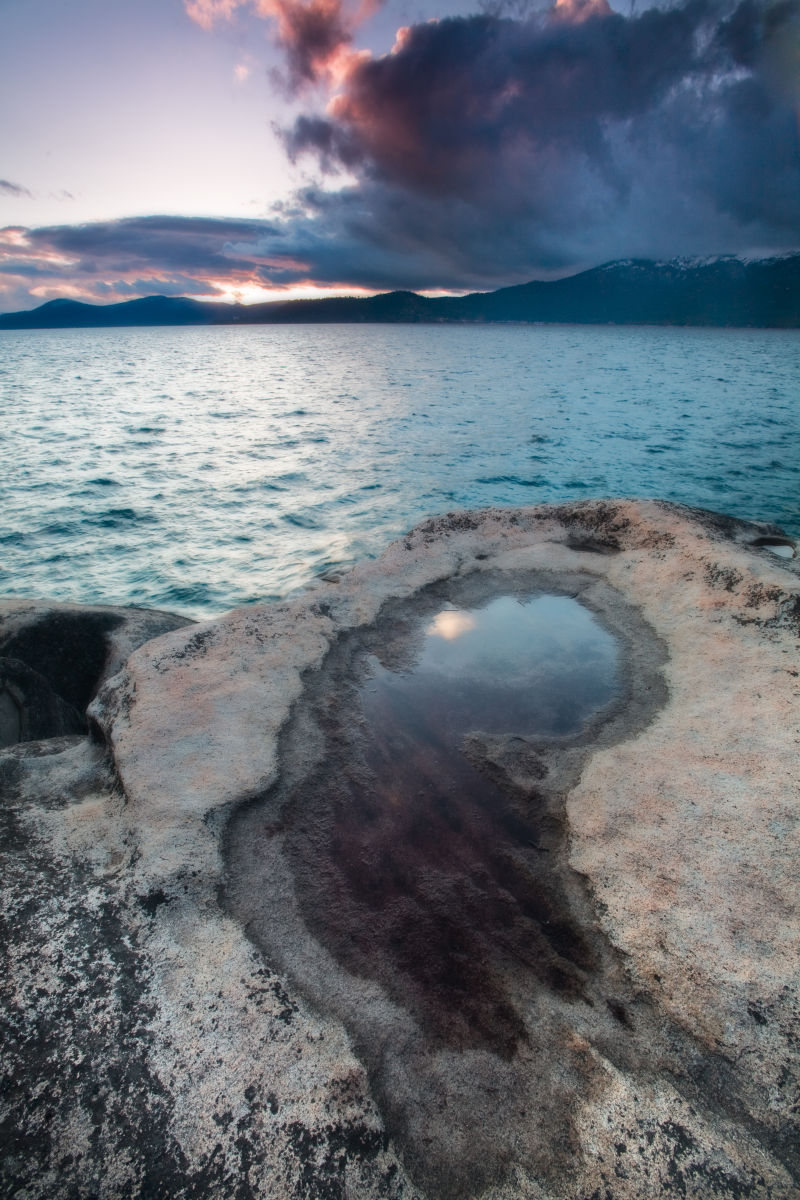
[[178, 1020]]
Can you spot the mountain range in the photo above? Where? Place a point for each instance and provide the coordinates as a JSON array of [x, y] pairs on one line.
[[727, 291]]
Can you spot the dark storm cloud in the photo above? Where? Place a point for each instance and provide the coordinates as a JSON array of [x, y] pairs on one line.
[[462, 95], [566, 138]]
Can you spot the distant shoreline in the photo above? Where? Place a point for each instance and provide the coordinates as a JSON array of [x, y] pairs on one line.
[[721, 293]]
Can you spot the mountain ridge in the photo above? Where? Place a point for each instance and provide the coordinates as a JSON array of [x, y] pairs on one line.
[[722, 292]]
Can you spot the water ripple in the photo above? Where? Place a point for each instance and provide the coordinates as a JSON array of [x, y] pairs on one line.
[[242, 461]]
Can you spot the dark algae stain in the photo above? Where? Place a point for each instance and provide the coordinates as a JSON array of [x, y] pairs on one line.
[[75, 1050], [325, 1153], [419, 828]]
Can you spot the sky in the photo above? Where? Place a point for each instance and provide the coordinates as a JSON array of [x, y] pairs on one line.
[[264, 149]]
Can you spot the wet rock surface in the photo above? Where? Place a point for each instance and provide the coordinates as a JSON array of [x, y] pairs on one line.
[[264, 941]]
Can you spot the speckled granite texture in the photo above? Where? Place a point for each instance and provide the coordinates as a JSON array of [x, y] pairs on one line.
[[619, 1013]]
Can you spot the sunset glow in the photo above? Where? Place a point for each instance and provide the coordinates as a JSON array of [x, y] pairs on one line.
[[252, 293]]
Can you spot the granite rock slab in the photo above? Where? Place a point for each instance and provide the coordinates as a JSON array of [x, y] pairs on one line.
[[184, 1009]]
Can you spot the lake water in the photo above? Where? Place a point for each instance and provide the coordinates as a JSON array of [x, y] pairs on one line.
[[199, 469]]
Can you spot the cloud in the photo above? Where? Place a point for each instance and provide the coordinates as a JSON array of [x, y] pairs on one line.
[[137, 256], [14, 189], [208, 12], [315, 35], [569, 137], [488, 150], [116, 260], [172, 243]]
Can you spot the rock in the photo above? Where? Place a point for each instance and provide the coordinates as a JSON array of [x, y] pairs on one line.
[[29, 708], [204, 998], [65, 650]]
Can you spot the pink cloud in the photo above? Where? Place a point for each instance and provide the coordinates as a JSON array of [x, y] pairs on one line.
[[315, 34]]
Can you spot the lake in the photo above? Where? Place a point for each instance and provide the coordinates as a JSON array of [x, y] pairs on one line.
[[200, 469]]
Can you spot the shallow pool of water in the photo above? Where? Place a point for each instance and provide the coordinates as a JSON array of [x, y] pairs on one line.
[[409, 871], [411, 853], [540, 665]]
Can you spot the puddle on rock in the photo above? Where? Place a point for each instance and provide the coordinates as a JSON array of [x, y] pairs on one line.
[[435, 851], [536, 666], [409, 872], [782, 547]]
